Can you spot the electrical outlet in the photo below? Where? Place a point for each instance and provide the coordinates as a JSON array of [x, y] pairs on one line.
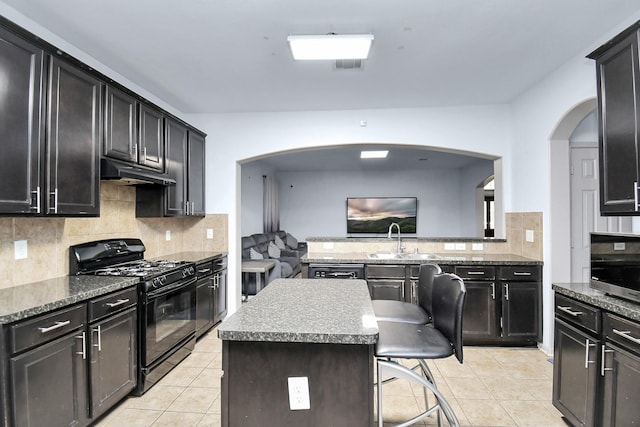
[[327, 245], [167, 235], [449, 246], [461, 246], [529, 235], [477, 247], [299, 393], [20, 249], [209, 233]]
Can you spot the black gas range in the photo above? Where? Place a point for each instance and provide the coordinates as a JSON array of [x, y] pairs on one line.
[[166, 301]]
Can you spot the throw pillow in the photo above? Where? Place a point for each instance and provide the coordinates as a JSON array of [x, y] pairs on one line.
[[253, 254], [280, 243], [292, 242], [274, 251]]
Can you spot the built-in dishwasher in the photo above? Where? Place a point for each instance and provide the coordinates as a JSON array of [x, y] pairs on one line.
[[336, 271]]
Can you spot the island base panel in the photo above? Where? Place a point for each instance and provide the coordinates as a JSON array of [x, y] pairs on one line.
[[255, 384]]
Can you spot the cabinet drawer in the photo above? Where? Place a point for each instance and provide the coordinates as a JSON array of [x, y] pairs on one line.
[[385, 271], [476, 273], [205, 269], [622, 331], [577, 313], [525, 273], [40, 329], [112, 303]]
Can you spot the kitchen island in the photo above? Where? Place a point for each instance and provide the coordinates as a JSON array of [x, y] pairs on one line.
[[321, 330]]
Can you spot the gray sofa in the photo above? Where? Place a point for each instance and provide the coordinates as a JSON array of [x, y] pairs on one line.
[[287, 264]]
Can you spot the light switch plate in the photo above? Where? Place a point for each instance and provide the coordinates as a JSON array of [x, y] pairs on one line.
[[529, 235], [209, 233], [20, 249], [449, 246], [461, 246], [477, 246], [167, 235]]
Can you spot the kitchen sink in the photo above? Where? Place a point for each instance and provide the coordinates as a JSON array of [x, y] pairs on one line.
[[394, 255]]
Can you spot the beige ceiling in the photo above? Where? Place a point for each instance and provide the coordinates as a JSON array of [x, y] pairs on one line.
[[231, 55]]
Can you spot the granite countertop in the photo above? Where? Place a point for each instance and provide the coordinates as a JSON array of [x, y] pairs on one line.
[[306, 310], [22, 301], [583, 292], [192, 256], [448, 258]]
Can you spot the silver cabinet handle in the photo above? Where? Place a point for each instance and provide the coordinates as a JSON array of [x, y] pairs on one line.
[[98, 332], [117, 303], [493, 291], [587, 345], [522, 273], [635, 195], [627, 335], [204, 271], [37, 197], [55, 326], [506, 292], [475, 273], [604, 360], [54, 194], [569, 311], [83, 337]]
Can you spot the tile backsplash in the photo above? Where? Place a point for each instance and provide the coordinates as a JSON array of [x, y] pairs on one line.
[[48, 239]]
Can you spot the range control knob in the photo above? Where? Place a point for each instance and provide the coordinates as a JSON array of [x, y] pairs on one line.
[[188, 271], [159, 282]]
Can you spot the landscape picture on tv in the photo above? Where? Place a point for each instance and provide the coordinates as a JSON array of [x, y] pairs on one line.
[[376, 214]]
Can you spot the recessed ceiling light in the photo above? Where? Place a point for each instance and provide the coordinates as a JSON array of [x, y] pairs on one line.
[[380, 154], [330, 46]]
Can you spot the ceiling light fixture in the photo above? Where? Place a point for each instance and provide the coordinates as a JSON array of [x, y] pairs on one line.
[[381, 154], [330, 46]]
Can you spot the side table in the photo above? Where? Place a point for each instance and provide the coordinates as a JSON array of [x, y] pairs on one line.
[[260, 268]]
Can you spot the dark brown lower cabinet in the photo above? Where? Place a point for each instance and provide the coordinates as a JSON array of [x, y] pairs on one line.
[[621, 387], [49, 384], [255, 384], [576, 359], [480, 323], [521, 314], [112, 347]]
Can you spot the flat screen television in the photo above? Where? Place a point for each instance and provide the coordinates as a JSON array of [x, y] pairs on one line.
[[374, 215]]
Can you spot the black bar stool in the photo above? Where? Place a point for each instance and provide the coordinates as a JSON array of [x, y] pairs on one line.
[[442, 339], [406, 312]]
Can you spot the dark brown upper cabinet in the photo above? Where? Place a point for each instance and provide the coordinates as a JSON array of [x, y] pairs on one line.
[[73, 141], [21, 104], [120, 125], [151, 152], [617, 69]]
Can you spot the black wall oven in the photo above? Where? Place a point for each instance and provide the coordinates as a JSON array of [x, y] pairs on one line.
[[615, 264]]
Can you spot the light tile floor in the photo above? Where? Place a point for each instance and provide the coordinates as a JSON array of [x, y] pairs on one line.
[[495, 387]]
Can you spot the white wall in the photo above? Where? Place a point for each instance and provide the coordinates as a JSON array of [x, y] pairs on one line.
[[236, 138], [313, 203]]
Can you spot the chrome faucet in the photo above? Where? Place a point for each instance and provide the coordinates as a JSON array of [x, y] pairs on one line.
[[400, 248]]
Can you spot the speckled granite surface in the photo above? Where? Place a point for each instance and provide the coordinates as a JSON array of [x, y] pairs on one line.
[[582, 292], [406, 239], [450, 259], [306, 310], [22, 301], [192, 256]]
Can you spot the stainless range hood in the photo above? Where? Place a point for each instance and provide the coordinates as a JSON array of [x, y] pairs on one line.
[[127, 174]]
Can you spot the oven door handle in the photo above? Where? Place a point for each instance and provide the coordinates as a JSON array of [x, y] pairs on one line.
[[170, 288]]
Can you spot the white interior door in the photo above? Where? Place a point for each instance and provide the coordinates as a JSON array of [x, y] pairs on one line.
[[585, 210]]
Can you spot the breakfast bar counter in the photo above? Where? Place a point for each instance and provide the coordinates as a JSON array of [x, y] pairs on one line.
[[323, 331]]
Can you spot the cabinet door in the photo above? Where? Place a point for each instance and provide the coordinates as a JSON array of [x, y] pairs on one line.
[[618, 101], [576, 358], [521, 317], [621, 387], [386, 289], [195, 182], [151, 151], [480, 322], [120, 125], [204, 304], [21, 67], [176, 162], [220, 297], [113, 352], [49, 384], [73, 136]]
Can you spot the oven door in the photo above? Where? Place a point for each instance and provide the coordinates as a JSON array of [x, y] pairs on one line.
[[169, 319]]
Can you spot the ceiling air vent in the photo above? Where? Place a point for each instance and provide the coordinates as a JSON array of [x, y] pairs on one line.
[[348, 64]]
